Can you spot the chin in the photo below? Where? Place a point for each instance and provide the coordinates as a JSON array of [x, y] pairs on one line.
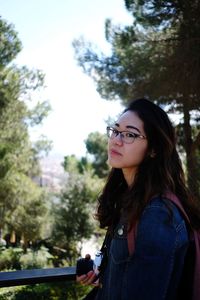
[[114, 164]]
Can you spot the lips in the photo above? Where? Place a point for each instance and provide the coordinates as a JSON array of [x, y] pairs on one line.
[[114, 152]]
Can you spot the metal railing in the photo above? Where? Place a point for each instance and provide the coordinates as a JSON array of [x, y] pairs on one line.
[[33, 276]]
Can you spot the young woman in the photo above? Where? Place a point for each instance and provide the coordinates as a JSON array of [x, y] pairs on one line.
[[145, 168]]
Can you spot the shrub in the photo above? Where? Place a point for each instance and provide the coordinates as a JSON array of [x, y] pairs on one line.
[[36, 259], [54, 291], [9, 258]]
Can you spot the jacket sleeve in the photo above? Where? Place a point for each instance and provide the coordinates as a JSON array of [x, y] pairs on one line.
[[155, 267]]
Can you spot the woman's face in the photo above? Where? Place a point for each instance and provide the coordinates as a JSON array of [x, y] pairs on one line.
[[125, 156]]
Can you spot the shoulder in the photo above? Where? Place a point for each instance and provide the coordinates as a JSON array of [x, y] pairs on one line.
[[161, 226], [162, 216], [166, 209]]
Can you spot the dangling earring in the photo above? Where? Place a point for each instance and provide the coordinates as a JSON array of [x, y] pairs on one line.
[[153, 154]]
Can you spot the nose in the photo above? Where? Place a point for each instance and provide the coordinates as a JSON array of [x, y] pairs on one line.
[[118, 139]]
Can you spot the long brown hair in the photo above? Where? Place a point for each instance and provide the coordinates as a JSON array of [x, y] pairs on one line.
[[155, 175]]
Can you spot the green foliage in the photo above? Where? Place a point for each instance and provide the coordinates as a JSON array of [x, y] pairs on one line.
[[41, 147], [96, 145], [9, 258], [19, 159], [15, 258], [10, 46], [30, 200], [55, 291], [34, 293], [36, 259], [39, 112], [72, 165], [73, 213], [37, 292]]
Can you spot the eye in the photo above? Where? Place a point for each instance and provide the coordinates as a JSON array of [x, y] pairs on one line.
[[131, 135], [115, 131]]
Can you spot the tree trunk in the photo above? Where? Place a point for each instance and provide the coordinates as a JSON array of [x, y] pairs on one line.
[[191, 154]]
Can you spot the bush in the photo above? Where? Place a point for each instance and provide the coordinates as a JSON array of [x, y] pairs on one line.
[[36, 259], [54, 291], [16, 259], [9, 258], [37, 292]]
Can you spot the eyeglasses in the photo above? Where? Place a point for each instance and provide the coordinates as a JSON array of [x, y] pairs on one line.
[[127, 137]]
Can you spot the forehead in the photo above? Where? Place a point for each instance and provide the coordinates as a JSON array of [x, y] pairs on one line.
[[130, 118]]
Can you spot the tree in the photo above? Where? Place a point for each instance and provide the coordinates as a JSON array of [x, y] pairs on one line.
[[157, 57], [73, 165], [27, 219], [73, 213], [96, 163], [10, 45], [18, 193], [74, 209], [96, 145]]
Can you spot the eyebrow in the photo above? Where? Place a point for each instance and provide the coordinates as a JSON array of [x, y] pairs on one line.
[[130, 127]]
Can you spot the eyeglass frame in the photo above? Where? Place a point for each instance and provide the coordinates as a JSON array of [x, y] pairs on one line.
[[117, 132]]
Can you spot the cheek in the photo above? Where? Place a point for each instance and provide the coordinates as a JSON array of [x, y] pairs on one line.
[[137, 156], [109, 145]]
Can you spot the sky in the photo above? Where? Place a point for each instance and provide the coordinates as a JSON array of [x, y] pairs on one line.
[[46, 29]]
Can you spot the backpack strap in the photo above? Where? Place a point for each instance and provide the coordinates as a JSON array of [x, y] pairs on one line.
[[173, 198], [131, 236]]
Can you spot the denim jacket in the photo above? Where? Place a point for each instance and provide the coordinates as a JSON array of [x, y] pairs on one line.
[[154, 270]]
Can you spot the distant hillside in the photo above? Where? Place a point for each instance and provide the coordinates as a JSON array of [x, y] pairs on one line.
[[53, 176]]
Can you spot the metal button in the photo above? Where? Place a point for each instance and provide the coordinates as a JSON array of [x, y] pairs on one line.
[[120, 231]]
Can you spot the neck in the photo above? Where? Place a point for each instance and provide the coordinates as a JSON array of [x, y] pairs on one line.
[[129, 176]]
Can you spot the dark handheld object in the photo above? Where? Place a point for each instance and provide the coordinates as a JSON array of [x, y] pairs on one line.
[[83, 266]]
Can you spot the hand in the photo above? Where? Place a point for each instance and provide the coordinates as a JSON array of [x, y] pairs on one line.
[[88, 279]]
